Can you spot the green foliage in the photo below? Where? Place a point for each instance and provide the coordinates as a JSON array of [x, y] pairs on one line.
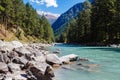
[[78, 29], [84, 23], [48, 32], [99, 23], [1, 8], [20, 33], [24, 18], [117, 20], [103, 21]]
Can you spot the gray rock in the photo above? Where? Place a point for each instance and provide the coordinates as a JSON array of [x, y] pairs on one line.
[[37, 53], [22, 51], [49, 73], [8, 46], [20, 60], [56, 52], [16, 44], [53, 59], [4, 58], [2, 76], [83, 59], [4, 49], [69, 58], [8, 78], [14, 67], [19, 77], [41, 58], [3, 68], [35, 73], [40, 65], [12, 55]]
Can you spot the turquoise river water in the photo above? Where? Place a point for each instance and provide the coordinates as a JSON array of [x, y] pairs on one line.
[[105, 59]]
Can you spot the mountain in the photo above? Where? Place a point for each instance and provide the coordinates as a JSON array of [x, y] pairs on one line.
[[51, 18], [59, 25], [67, 16]]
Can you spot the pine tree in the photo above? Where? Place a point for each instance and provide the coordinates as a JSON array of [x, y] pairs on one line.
[[25, 19], [72, 33], [84, 23], [103, 13], [19, 13], [7, 13], [48, 32], [117, 21]]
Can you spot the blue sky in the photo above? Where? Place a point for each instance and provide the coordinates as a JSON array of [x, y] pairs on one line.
[[55, 7]]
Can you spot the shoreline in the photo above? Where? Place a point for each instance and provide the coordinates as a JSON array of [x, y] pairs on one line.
[[32, 60]]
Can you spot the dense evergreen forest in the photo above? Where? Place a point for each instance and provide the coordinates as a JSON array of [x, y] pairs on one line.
[[15, 15], [98, 23]]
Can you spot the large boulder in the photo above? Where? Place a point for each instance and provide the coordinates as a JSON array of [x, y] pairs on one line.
[[4, 58], [12, 55], [14, 67], [22, 51], [40, 65], [5, 49], [41, 58], [16, 44], [9, 46], [53, 59], [2, 76], [49, 74], [3, 68], [20, 60], [35, 73], [69, 58], [18, 75]]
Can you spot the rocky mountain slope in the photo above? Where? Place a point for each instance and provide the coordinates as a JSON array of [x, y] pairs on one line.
[[51, 18]]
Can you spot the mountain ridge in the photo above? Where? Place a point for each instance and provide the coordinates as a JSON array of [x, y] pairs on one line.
[[67, 16], [51, 18]]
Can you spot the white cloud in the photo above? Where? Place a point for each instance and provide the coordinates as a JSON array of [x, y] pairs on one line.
[[48, 3], [36, 1], [47, 13]]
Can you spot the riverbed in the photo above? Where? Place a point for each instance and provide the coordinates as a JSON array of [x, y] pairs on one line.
[[105, 61]]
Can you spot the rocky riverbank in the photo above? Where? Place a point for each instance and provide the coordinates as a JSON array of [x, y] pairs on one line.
[[29, 61]]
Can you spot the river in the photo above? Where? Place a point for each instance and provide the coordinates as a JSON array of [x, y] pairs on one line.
[[107, 59]]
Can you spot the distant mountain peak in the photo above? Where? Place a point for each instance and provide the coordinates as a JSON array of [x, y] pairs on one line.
[[51, 17], [47, 13]]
